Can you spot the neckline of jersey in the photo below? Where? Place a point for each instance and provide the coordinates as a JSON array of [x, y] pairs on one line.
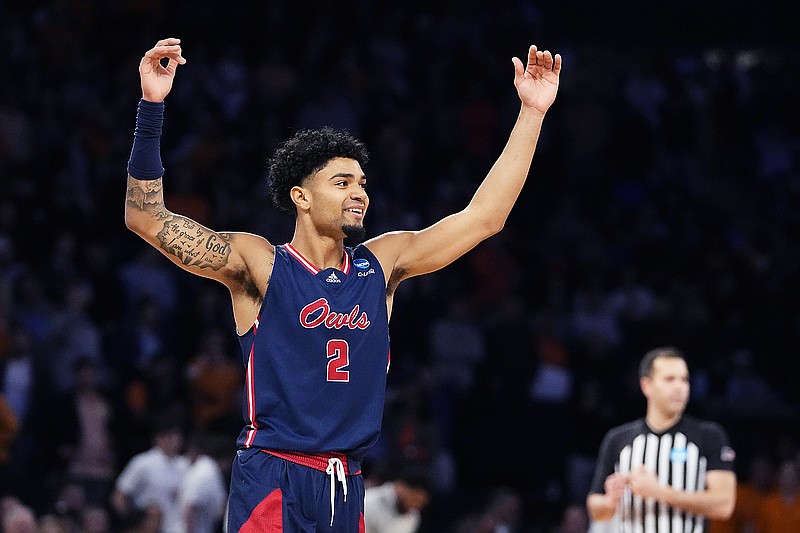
[[313, 268]]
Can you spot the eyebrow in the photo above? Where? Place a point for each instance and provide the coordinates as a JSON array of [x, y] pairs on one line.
[[346, 175]]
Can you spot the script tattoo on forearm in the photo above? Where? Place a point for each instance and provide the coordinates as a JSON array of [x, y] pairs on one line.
[[193, 244]]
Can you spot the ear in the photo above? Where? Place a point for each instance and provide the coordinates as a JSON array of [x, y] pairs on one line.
[[300, 197], [644, 384]]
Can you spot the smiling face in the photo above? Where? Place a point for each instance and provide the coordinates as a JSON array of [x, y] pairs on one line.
[[666, 387], [335, 198]]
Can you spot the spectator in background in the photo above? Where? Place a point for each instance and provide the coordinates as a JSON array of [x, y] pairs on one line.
[[9, 427], [147, 279], [396, 506], [214, 384], [139, 341], [154, 477], [10, 269], [74, 336], [19, 518], [147, 520], [69, 505], [779, 512], [19, 387], [750, 494], [457, 346], [506, 509], [92, 463], [18, 374], [596, 322], [749, 393], [76, 445], [51, 523], [203, 492], [573, 520], [132, 428], [34, 311], [95, 519]]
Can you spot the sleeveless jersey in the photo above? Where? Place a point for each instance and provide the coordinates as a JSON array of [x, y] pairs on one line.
[[317, 356]]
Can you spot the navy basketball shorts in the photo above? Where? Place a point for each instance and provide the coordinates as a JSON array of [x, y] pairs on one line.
[[271, 494]]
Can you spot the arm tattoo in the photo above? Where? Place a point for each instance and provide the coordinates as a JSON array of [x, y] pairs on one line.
[[193, 244], [147, 192], [182, 237]]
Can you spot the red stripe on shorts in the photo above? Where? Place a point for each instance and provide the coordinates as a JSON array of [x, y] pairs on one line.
[[267, 517]]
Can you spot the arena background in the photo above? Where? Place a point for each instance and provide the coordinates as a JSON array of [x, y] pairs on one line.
[[663, 208]]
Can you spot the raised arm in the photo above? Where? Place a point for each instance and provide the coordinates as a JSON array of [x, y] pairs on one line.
[[241, 261], [406, 254]]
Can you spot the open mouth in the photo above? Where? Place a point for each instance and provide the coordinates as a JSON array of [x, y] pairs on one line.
[[358, 212]]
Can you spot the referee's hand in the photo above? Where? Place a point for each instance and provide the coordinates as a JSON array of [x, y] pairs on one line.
[[644, 483], [615, 486]]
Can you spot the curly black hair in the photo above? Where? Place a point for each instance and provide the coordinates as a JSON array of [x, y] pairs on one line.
[[304, 154]]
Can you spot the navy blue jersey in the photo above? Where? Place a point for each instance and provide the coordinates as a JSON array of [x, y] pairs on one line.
[[316, 357]]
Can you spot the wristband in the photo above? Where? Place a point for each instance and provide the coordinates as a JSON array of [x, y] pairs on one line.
[[145, 160]]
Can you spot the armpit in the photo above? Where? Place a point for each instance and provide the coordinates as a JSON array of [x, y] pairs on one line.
[[398, 275], [243, 281]]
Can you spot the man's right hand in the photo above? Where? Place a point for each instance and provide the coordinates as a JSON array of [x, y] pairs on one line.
[[157, 78], [603, 506], [615, 486]]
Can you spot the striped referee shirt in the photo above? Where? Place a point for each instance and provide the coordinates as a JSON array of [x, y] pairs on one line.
[[680, 457]]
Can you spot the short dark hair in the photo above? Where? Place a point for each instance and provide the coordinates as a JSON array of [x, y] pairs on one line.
[[305, 153], [646, 365]]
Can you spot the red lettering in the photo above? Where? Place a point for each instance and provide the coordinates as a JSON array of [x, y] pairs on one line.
[[319, 312], [362, 322], [320, 305]]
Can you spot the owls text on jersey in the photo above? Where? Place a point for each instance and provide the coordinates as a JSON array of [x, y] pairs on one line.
[[680, 457]]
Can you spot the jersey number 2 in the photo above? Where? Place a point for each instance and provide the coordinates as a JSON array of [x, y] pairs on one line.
[[338, 358]]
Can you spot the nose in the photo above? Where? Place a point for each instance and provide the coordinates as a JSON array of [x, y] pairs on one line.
[[359, 194]]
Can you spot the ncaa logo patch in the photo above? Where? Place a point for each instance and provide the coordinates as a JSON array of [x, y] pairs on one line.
[[361, 264], [678, 455]]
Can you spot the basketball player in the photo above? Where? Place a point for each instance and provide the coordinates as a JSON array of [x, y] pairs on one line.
[[312, 315], [666, 472]]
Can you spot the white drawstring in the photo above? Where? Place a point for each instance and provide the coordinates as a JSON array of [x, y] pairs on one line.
[[336, 468]]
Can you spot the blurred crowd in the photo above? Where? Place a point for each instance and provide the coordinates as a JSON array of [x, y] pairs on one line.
[[663, 207]]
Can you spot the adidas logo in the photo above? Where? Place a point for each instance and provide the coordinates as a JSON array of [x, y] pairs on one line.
[[333, 278]]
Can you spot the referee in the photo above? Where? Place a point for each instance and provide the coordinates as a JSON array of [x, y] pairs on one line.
[[666, 472]]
